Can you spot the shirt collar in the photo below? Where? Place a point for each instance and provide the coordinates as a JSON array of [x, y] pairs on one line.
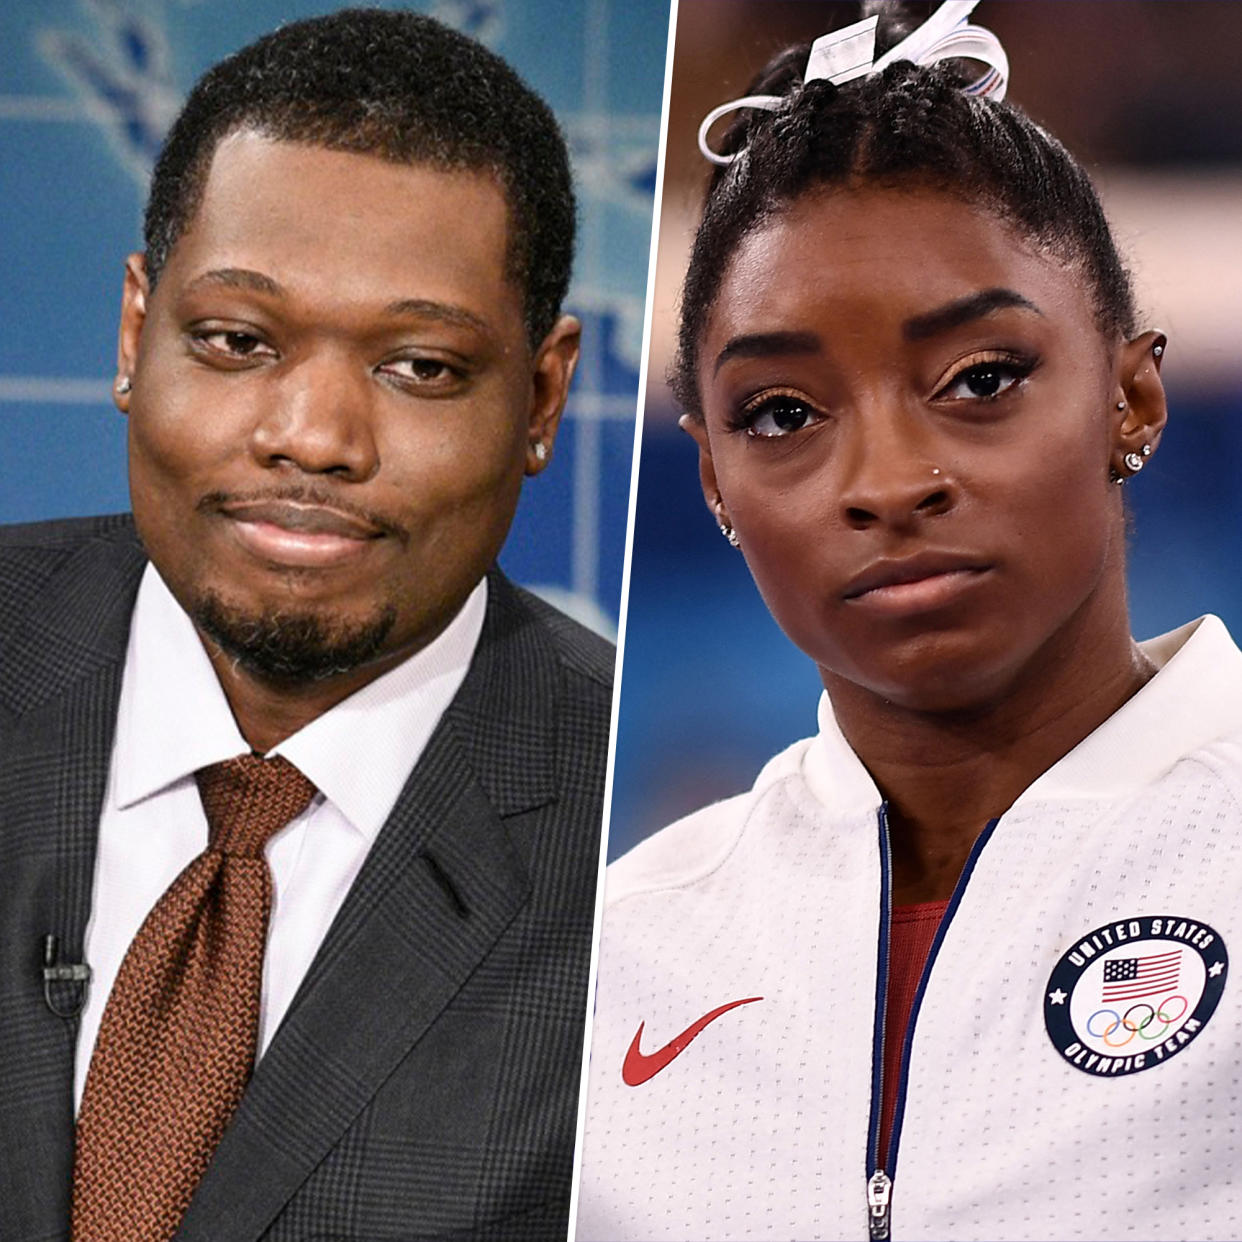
[[174, 719], [1194, 699], [360, 753]]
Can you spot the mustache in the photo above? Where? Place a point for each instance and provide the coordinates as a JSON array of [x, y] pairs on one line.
[[302, 494]]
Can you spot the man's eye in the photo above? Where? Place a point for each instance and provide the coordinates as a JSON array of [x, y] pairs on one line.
[[235, 344], [984, 381], [422, 370], [778, 416]]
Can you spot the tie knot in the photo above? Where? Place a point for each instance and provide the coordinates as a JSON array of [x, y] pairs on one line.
[[250, 798]]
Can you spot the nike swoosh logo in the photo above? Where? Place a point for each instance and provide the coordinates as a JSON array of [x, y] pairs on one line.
[[639, 1066]]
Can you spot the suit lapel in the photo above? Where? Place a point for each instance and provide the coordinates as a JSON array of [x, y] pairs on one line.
[[57, 755], [441, 884]]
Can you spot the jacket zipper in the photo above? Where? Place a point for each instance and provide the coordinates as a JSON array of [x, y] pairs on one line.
[[882, 1166]]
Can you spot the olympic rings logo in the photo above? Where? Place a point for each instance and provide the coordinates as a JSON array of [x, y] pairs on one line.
[[1133, 1026]]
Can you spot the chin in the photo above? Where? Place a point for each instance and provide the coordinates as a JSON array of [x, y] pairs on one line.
[[291, 645], [941, 673], [938, 697]]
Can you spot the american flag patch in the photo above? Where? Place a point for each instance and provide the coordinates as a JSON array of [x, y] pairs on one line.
[[1132, 978]]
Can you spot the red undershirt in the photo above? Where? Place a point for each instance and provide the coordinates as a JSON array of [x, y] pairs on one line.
[[912, 930]]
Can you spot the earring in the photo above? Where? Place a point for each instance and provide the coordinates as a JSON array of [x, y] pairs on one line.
[[1121, 405], [1157, 351], [1132, 461], [124, 385], [540, 450], [729, 533]]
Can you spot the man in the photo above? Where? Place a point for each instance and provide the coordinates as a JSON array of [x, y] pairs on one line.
[[339, 355]]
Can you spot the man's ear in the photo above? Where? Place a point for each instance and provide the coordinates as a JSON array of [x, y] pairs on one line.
[[697, 430], [1142, 409], [134, 296], [554, 368]]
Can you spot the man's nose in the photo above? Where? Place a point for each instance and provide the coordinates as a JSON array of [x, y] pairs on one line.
[[891, 475], [321, 418]]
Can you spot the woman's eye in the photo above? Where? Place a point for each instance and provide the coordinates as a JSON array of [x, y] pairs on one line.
[[779, 416], [984, 381]]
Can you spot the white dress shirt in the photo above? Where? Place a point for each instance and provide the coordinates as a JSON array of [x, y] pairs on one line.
[[174, 719]]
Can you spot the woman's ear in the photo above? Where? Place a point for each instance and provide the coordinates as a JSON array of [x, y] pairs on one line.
[[1142, 410], [697, 430]]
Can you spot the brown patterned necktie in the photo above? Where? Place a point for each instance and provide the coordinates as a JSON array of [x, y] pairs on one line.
[[177, 1042]]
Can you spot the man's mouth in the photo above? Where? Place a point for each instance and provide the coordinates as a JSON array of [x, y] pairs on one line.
[[298, 533]]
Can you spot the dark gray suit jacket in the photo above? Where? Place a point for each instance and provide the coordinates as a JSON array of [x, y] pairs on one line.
[[424, 1082]]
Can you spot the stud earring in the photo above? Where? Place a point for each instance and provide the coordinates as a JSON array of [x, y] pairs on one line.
[[1157, 351], [124, 385], [1132, 462], [1121, 405], [540, 450], [1146, 450]]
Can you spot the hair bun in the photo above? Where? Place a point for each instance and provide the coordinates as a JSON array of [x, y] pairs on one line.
[[898, 18]]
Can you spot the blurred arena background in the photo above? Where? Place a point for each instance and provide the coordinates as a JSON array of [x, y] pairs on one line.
[[87, 90], [1147, 94]]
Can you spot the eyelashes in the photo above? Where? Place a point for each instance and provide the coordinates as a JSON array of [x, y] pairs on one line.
[[774, 415], [230, 345], [972, 385], [987, 379], [241, 348]]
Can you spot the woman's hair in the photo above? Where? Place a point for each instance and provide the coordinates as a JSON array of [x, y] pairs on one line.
[[908, 125]]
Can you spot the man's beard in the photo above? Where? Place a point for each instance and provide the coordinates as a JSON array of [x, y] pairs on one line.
[[292, 647]]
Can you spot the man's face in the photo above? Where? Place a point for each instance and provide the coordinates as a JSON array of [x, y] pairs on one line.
[[334, 403]]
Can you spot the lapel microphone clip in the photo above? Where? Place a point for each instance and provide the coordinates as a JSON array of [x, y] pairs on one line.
[[56, 971]]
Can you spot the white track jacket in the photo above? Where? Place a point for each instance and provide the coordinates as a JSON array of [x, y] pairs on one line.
[[1073, 1065]]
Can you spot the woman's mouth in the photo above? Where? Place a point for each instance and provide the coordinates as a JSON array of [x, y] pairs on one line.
[[920, 583]]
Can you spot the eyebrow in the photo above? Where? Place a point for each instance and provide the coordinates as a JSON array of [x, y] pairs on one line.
[[919, 328], [964, 310], [423, 308], [767, 344], [257, 282], [236, 278]]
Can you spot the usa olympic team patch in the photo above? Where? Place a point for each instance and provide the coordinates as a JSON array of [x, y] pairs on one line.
[[1134, 993]]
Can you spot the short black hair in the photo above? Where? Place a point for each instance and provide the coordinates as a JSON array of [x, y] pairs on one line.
[[400, 86], [908, 125]]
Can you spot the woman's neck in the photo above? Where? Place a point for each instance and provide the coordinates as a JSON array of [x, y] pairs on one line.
[[944, 775]]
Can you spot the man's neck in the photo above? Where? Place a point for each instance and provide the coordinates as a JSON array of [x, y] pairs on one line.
[[268, 711]]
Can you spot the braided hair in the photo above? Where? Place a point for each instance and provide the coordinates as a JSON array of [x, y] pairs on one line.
[[907, 126]]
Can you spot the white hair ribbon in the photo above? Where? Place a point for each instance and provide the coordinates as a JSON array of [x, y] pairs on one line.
[[843, 55]]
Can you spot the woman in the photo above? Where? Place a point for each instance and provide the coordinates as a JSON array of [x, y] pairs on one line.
[[956, 967]]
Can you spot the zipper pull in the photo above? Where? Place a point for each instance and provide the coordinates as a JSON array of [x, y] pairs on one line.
[[879, 1192]]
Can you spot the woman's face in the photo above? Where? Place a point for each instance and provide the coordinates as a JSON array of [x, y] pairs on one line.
[[909, 416]]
